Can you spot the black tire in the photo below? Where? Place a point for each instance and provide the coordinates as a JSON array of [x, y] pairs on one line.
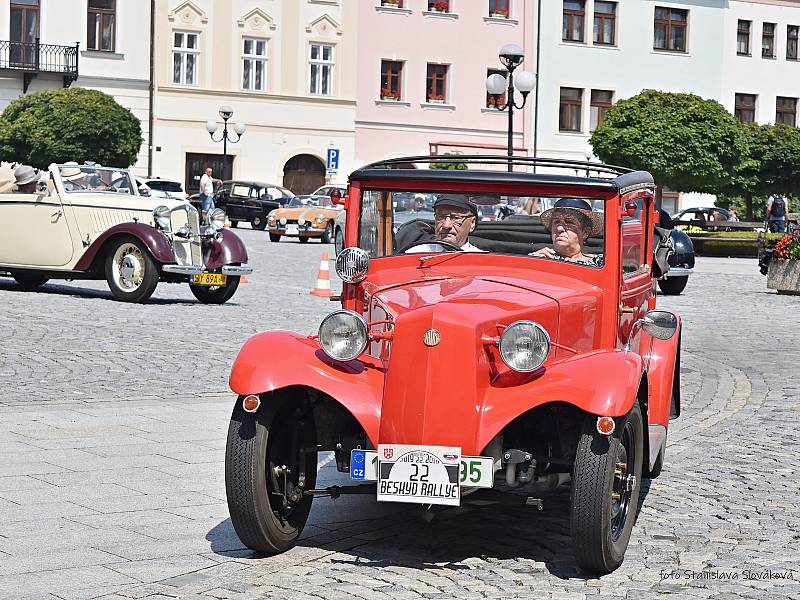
[[29, 281], [303, 239], [257, 443], [600, 525], [134, 279], [234, 224], [274, 237], [327, 235], [216, 294], [672, 286], [259, 222], [338, 242]]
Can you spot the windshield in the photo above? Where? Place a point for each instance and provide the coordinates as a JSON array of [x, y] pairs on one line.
[[542, 227], [79, 179]]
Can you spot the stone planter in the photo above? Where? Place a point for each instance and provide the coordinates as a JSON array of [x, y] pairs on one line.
[[435, 101], [784, 276]]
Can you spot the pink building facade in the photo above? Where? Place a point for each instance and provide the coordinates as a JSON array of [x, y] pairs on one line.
[[422, 67]]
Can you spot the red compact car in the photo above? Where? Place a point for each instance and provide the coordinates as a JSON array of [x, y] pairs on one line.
[[469, 358]]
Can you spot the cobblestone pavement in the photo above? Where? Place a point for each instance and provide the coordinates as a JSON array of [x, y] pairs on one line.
[[112, 431]]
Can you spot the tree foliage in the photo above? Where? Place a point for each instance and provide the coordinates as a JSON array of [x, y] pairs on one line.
[[687, 143], [450, 164], [74, 124]]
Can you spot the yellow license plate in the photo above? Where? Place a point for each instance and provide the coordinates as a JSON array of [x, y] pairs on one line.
[[209, 279]]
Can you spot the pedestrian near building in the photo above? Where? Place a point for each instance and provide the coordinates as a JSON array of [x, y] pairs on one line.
[[207, 191], [776, 213]]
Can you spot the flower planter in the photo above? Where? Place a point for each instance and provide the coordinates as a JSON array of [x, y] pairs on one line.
[[499, 15], [784, 276], [390, 98], [433, 101]]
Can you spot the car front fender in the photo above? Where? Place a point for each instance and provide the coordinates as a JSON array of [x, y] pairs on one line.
[[156, 242], [277, 359], [603, 383], [663, 374], [230, 249]]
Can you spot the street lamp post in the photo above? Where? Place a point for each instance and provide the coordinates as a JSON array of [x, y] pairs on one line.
[[226, 112], [511, 55]]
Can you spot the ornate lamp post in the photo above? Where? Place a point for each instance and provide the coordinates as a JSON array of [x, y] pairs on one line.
[[226, 112], [511, 55]]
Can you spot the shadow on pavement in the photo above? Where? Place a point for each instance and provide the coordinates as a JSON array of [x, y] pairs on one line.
[[8, 285]]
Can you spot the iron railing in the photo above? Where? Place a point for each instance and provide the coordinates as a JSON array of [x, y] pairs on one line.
[[32, 58]]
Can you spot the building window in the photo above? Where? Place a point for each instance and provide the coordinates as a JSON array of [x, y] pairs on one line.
[[439, 6], [601, 101], [24, 30], [391, 79], [436, 83], [254, 64], [499, 8], [743, 38], [185, 51], [786, 111], [321, 69], [768, 40], [791, 42], [745, 108], [101, 25], [670, 29], [570, 108], [605, 23], [490, 101], [392, 3], [572, 24]]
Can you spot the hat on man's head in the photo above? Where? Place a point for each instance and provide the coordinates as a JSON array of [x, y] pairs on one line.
[[578, 205], [71, 170], [25, 174], [457, 201]]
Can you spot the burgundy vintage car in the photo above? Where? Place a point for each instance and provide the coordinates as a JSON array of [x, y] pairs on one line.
[[455, 372]]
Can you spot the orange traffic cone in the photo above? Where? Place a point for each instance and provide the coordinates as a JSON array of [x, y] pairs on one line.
[[323, 287], [244, 279]]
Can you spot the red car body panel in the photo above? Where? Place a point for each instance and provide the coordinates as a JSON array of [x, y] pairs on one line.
[[661, 376]]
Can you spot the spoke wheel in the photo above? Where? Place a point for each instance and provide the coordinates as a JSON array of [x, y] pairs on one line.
[[266, 472], [131, 272], [605, 490]]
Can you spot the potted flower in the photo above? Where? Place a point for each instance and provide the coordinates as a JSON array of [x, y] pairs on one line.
[[435, 98], [389, 94], [784, 269], [439, 6], [500, 12], [392, 3]]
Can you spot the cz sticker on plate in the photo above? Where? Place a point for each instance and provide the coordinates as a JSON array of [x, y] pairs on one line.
[[209, 279]]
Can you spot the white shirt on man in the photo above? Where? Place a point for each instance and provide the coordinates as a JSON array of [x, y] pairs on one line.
[[206, 185]]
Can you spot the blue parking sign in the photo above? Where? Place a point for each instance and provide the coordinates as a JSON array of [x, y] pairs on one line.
[[332, 163], [357, 464]]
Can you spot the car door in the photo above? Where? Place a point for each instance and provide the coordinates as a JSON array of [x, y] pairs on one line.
[[237, 201], [637, 281], [39, 235]]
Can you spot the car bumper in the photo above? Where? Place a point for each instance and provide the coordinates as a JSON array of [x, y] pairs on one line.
[[300, 233], [194, 270], [678, 272]]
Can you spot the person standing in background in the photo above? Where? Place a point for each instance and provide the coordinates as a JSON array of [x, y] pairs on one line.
[[207, 192], [776, 213]]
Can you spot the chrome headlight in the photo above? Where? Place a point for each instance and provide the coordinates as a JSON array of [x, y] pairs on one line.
[[271, 216], [283, 221], [343, 335], [216, 218], [352, 265], [301, 221], [161, 217], [319, 219], [524, 346]]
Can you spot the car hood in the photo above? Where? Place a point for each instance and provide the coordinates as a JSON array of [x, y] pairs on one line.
[[306, 212]]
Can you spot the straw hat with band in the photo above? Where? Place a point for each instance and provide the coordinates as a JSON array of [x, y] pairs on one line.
[[587, 216], [71, 171], [458, 202]]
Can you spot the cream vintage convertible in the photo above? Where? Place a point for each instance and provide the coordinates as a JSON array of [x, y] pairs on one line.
[[92, 223]]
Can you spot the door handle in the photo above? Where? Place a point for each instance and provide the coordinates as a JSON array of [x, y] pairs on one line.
[[56, 216]]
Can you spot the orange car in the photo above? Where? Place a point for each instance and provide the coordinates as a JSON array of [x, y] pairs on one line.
[[304, 219]]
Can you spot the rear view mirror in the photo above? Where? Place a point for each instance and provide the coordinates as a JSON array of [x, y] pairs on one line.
[[660, 324]]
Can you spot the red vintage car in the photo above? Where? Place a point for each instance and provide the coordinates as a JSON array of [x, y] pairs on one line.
[[455, 372]]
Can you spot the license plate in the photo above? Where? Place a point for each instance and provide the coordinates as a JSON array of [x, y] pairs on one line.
[[292, 230], [209, 279]]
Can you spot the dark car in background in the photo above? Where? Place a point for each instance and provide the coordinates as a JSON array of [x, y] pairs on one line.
[[250, 201]]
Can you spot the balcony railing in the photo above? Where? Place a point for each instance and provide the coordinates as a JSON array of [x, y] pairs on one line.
[[32, 58]]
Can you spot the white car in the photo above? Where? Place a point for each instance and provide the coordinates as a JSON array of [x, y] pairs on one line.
[[163, 188], [92, 223]]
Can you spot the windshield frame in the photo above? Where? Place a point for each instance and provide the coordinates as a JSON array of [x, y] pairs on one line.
[[85, 183]]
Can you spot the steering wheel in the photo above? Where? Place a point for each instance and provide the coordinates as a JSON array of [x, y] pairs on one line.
[[448, 246]]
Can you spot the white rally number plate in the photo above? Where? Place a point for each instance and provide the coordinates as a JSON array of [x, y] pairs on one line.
[[419, 474], [292, 230]]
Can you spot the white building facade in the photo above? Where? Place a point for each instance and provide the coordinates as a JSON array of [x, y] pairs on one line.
[[96, 44], [596, 52]]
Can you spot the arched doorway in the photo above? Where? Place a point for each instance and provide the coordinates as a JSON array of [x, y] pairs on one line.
[[303, 173]]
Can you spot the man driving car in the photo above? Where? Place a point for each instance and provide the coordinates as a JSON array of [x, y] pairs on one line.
[[455, 218]]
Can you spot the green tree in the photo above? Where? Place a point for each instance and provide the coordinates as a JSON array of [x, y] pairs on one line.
[[61, 125], [687, 143], [768, 166], [449, 164]]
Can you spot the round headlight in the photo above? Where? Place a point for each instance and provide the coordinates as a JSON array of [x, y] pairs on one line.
[[216, 218], [352, 265], [300, 221], [161, 216], [343, 335], [283, 221], [524, 346], [319, 218]]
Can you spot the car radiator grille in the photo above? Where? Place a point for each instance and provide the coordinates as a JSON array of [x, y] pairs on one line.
[[187, 251]]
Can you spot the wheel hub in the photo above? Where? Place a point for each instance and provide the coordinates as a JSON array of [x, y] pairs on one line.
[[128, 268]]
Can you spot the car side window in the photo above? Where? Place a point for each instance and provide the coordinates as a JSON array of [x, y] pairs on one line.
[[241, 190], [631, 244]]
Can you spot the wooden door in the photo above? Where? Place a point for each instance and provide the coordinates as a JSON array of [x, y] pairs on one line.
[[196, 165]]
